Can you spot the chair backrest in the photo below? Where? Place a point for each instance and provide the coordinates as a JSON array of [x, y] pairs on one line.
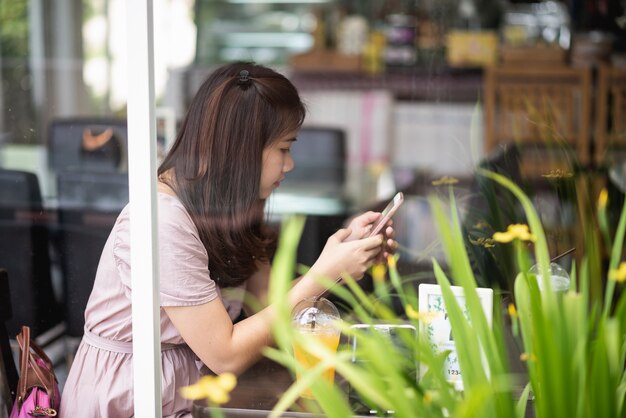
[[610, 114], [66, 151], [19, 189], [88, 205], [8, 371], [93, 190], [540, 107], [319, 155], [25, 254]]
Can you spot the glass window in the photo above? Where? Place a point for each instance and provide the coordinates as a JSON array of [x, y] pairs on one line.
[[399, 94]]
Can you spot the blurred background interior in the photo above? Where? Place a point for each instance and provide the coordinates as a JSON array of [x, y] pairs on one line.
[[400, 93]]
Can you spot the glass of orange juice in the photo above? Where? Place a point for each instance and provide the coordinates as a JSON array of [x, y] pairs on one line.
[[315, 318]]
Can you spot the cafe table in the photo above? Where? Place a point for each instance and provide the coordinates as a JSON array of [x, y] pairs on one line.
[[257, 391]]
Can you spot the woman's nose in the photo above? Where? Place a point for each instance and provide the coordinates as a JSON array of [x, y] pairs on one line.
[[289, 164]]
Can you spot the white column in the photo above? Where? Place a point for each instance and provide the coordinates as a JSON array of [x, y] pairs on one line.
[[65, 40], [37, 55], [143, 210]]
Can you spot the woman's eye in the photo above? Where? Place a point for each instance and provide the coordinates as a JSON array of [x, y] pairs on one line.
[[285, 150]]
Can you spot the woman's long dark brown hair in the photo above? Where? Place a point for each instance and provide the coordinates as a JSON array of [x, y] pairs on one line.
[[216, 163]]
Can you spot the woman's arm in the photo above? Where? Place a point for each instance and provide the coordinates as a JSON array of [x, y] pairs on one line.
[[257, 288], [227, 347]]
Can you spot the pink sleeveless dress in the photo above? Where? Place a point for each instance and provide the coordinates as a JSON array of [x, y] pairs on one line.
[[100, 382]]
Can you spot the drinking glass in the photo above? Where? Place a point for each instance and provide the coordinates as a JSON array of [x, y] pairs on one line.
[[316, 318], [558, 277]]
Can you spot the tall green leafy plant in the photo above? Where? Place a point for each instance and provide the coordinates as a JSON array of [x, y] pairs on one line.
[[574, 348]]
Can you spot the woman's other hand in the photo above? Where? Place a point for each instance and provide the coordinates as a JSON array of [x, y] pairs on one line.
[[390, 245]]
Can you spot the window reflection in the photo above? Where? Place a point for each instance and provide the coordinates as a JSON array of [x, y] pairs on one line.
[[405, 118]]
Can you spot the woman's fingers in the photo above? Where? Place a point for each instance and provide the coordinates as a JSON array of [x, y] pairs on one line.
[[344, 256], [373, 242], [367, 217], [362, 225], [342, 234]]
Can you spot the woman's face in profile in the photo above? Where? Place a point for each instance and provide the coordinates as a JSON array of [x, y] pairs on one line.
[[277, 162]]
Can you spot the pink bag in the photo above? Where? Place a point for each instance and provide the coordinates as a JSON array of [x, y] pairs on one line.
[[37, 389]]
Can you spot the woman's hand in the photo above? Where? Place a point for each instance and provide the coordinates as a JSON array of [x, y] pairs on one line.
[[362, 225], [342, 257], [390, 245]]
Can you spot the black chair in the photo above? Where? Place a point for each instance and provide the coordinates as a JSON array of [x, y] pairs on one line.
[[25, 254], [89, 203], [20, 189], [91, 190], [80, 242], [8, 371], [65, 151]]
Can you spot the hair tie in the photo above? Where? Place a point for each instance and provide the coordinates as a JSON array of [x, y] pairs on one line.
[[244, 77]]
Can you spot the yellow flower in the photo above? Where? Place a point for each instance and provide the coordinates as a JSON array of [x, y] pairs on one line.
[[512, 311], [411, 313], [428, 397], [215, 389], [391, 260], [603, 199], [445, 180], [426, 317], [526, 357], [515, 231], [378, 272], [619, 275]]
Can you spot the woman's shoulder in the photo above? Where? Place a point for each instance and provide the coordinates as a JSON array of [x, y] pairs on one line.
[[172, 210], [174, 222], [169, 202]]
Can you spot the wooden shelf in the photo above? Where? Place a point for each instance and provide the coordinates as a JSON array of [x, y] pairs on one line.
[[419, 83]]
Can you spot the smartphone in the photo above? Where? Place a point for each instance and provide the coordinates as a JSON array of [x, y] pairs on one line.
[[388, 212]]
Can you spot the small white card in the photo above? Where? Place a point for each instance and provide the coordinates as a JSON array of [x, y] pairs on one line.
[[438, 328]]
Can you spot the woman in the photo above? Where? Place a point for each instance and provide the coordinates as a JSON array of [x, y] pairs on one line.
[[232, 151]]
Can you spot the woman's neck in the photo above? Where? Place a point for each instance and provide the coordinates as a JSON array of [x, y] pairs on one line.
[[163, 185]]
